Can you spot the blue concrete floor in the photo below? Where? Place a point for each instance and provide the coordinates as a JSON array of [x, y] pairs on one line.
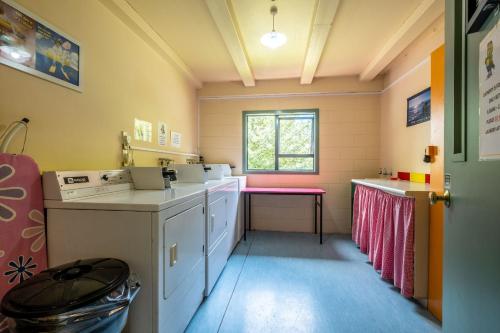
[[286, 282]]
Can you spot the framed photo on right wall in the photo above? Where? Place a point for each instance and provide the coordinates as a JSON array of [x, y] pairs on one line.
[[418, 108]]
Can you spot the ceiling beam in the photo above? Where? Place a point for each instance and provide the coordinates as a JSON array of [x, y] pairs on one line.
[[322, 22], [223, 16], [126, 13], [426, 13]]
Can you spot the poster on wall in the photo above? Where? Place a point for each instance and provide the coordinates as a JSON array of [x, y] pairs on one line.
[[489, 96], [31, 45], [143, 130], [176, 139], [162, 134], [418, 108]]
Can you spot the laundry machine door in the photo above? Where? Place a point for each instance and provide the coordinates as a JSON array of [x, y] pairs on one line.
[[216, 221], [232, 217], [183, 249]]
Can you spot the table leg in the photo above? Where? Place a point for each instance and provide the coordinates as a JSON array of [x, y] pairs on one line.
[[249, 211], [244, 216], [315, 214], [321, 219]]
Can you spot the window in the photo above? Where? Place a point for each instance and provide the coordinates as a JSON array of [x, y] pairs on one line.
[[282, 141]]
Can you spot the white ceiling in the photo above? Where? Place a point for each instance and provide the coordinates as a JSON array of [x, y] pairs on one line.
[[293, 19], [360, 31]]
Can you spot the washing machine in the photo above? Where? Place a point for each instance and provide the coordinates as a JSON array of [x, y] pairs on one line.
[[221, 202], [236, 234], [159, 233], [236, 229]]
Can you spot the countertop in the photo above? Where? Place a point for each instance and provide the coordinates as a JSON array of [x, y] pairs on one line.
[[397, 187]]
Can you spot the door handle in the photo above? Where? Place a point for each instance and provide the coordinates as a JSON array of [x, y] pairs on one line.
[[445, 197], [173, 255], [212, 222]]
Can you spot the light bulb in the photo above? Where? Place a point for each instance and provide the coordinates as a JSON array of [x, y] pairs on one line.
[[273, 39]]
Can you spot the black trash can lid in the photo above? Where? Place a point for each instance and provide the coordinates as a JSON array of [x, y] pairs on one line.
[[65, 288]]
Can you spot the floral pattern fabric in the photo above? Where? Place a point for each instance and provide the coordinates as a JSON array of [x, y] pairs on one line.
[[22, 224]]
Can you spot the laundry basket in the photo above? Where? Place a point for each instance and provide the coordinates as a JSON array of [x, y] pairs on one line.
[[91, 295]]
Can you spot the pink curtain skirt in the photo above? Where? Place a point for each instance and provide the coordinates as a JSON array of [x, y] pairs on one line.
[[383, 228]]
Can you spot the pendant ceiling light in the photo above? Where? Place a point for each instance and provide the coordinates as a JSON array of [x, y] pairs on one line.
[[273, 39]]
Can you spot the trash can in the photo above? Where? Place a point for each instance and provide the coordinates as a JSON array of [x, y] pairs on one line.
[[86, 296]]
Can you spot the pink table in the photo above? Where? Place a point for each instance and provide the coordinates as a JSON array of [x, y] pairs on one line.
[[316, 192]]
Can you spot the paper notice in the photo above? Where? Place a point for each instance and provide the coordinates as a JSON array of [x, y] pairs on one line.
[[143, 130], [162, 134], [176, 139], [489, 96]]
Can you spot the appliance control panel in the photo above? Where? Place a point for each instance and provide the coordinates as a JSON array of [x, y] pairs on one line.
[[115, 177], [62, 185]]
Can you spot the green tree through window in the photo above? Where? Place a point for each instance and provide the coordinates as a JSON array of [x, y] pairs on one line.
[[280, 141]]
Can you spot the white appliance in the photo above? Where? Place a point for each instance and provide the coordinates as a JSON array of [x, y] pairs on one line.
[[236, 234], [148, 178], [221, 220], [221, 225], [159, 233], [215, 172], [225, 168], [191, 173]]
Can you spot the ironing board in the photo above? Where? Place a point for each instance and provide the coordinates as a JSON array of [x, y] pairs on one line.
[[22, 224]]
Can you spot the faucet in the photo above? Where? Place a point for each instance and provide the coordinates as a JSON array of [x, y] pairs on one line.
[[165, 162], [384, 174]]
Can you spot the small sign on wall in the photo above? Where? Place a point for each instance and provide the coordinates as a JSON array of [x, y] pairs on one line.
[[176, 139], [489, 96], [162, 134], [142, 130]]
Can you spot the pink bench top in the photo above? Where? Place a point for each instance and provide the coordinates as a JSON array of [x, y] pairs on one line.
[[283, 190]]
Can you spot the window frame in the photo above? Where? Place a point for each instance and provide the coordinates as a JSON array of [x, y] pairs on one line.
[[276, 113]]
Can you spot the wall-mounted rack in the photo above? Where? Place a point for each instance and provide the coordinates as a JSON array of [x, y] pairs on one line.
[[128, 151], [161, 151]]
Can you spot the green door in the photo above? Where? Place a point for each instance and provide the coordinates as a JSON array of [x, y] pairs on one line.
[[471, 271]]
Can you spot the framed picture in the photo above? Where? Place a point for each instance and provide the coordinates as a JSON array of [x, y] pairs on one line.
[[477, 12], [31, 45], [418, 108]]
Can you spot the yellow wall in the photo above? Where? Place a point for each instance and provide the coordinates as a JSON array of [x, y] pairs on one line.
[[123, 78], [349, 144], [402, 148]]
